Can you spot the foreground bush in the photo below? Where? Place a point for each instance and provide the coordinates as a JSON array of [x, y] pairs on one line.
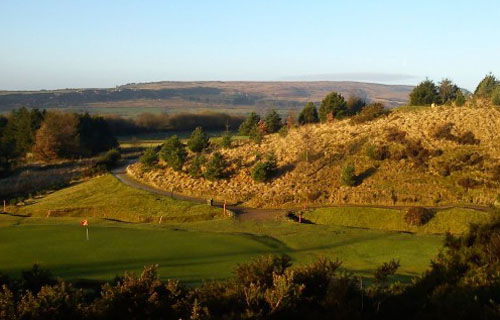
[[369, 113]]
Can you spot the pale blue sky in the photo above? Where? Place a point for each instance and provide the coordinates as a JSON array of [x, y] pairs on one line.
[[60, 44]]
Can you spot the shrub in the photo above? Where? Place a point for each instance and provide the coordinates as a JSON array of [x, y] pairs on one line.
[[377, 152], [369, 113], [495, 96], [265, 170], [173, 153], [215, 167], [273, 122], [332, 106], [198, 141], [256, 135], [418, 216], [283, 131], [226, 140], [387, 269], [460, 99], [309, 114], [261, 270], [109, 159], [348, 176], [195, 166], [426, 93], [149, 158], [249, 124], [486, 87]]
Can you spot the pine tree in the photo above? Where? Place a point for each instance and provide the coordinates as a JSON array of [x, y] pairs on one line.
[[215, 167], [309, 114], [486, 86], [173, 153], [333, 105], [249, 124], [426, 93], [273, 122], [198, 141]]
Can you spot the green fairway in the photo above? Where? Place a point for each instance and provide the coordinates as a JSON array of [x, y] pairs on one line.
[[455, 220], [197, 251], [106, 197]]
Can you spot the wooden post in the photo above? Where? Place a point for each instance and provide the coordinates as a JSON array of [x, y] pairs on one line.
[[300, 217], [225, 212], [87, 229]]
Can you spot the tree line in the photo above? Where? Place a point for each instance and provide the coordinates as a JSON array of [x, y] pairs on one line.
[[462, 282], [448, 93], [50, 135]]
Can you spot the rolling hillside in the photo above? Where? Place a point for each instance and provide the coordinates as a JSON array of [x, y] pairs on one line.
[[233, 97]]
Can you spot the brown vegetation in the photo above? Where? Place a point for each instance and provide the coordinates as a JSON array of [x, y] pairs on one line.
[[419, 168]]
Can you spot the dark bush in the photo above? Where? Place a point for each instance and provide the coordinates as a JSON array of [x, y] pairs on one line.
[[467, 138], [226, 140], [348, 176], [444, 133], [195, 166], [265, 170], [215, 167], [198, 141], [173, 153], [109, 159], [418, 216], [369, 113], [149, 158]]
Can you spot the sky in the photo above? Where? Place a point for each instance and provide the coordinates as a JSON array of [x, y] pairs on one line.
[[71, 43]]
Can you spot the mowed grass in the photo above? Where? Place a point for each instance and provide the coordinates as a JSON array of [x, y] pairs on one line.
[[197, 251], [455, 220], [106, 197]]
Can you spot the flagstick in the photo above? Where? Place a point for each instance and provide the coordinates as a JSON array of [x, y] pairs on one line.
[[87, 228]]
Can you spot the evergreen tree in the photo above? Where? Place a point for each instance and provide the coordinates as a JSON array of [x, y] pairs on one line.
[[19, 133], [149, 158], [265, 170], [273, 122], [426, 93], [460, 99], [348, 176], [495, 96], [198, 141], [309, 114], [215, 167], [95, 135], [333, 105], [195, 166], [226, 140], [249, 124], [173, 153], [448, 91], [486, 86]]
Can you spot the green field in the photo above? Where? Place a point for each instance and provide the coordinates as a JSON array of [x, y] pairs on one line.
[[197, 251], [454, 220], [194, 242], [106, 197]]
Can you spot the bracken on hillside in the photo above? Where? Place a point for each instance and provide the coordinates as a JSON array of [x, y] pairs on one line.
[[418, 166]]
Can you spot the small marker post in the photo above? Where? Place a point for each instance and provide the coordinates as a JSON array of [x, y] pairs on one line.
[[87, 233]]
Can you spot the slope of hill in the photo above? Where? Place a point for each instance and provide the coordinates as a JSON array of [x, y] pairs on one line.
[[233, 96], [416, 166]]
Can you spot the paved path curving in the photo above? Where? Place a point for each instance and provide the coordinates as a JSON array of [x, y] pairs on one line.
[[245, 213]]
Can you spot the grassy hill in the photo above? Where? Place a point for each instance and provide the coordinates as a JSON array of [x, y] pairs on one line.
[[238, 97], [412, 165]]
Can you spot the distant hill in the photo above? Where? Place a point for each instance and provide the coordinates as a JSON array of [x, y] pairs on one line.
[[231, 96]]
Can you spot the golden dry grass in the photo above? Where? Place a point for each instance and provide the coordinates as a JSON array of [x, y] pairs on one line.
[[330, 146]]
